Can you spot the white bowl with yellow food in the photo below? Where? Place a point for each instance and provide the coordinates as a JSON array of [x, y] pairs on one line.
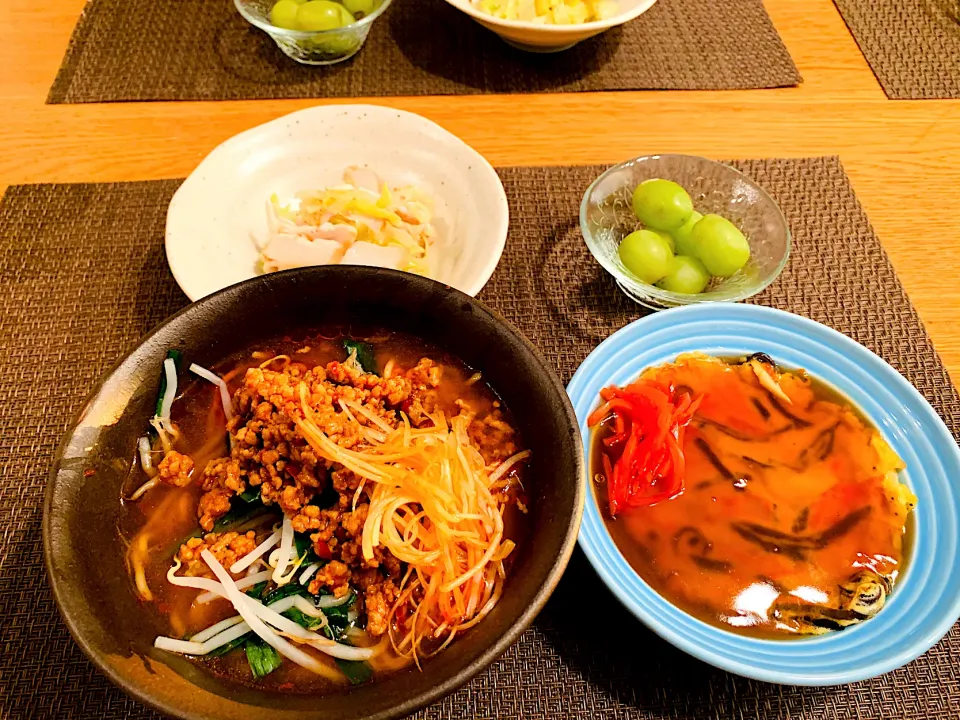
[[338, 185], [550, 25]]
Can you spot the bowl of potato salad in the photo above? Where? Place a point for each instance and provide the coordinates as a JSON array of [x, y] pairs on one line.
[[551, 25]]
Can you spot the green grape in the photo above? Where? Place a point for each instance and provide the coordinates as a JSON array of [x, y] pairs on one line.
[[661, 204], [334, 46], [319, 15], [720, 245], [359, 7], [686, 275], [646, 254], [284, 14], [667, 238], [682, 235], [346, 17]]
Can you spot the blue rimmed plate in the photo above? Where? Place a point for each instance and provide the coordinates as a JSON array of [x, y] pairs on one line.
[[925, 602]]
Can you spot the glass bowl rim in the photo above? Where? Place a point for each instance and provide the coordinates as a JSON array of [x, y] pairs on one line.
[[272, 29], [667, 297]]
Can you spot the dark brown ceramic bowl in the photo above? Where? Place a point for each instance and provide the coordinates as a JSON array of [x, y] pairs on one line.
[[82, 548]]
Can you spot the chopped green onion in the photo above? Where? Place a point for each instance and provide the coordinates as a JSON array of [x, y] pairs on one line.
[[364, 354], [303, 620], [263, 658], [304, 548], [285, 591], [232, 645], [338, 620], [250, 495], [240, 512], [256, 592], [357, 671]]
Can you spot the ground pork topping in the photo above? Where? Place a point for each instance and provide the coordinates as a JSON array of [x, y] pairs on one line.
[[493, 436], [175, 469], [326, 502], [378, 600], [227, 548], [269, 453]]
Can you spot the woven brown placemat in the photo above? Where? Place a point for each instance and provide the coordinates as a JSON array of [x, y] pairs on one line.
[[84, 276], [204, 50], [913, 46]]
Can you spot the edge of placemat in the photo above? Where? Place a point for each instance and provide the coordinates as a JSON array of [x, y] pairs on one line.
[[90, 184], [610, 693], [772, 54], [71, 58], [890, 92], [914, 65], [868, 225], [888, 88]]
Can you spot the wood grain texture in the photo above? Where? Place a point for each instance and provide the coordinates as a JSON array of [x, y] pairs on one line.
[[903, 156]]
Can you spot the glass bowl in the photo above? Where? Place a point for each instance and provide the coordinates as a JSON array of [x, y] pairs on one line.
[[324, 47], [606, 217]]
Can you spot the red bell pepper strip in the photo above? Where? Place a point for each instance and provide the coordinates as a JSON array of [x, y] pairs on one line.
[[648, 424], [602, 412]]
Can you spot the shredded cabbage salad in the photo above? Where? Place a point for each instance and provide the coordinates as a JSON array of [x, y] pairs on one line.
[[361, 222]]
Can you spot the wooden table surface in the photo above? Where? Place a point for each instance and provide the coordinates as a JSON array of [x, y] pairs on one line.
[[902, 156]]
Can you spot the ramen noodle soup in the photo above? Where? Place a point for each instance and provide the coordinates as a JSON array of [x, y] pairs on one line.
[[753, 498], [313, 513]]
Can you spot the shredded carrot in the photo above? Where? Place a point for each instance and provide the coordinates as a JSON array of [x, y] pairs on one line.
[[436, 505]]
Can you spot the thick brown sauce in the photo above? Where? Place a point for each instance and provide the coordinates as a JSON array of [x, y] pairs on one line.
[[749, 465], [168, 514]]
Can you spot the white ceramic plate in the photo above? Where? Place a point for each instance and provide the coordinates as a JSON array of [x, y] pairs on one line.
[[219, 211]]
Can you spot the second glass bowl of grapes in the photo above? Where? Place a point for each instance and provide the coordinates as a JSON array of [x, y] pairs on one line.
[[314, 32], [679, 229]]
